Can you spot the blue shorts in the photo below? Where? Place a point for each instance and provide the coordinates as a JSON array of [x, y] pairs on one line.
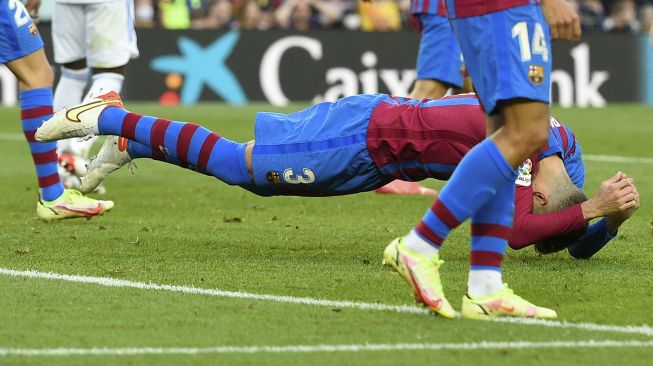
[[439, 56], [320, 151], [504, 67], [18, 34]]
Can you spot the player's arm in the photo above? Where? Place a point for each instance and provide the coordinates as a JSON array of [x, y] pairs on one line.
[[563, 20], [529, 228], [614, 195]]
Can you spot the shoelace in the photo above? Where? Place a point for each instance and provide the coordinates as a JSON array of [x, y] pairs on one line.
[[131, 166]]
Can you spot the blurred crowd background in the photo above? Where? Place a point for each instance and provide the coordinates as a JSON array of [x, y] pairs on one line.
[[613, 16]]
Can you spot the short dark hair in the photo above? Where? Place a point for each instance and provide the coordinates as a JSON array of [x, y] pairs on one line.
[[564, 194]]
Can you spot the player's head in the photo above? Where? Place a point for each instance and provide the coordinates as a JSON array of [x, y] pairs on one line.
[[553, 191]]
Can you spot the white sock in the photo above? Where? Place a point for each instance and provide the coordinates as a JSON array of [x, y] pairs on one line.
[[69, 92], [105, 82], [70, 89], [415, 242], [483, 282]]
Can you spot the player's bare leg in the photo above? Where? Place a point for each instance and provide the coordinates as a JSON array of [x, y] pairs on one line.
[[433, 89], [525, 129], [33, 71], [36, 77]]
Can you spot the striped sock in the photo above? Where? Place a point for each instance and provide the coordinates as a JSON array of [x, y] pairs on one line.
[[433, 229], [36, 107], [472, 185], [184, 144], [136, 150], [491, 226]]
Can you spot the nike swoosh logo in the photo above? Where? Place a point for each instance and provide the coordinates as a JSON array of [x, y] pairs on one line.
[[508, 309], [73, 113]]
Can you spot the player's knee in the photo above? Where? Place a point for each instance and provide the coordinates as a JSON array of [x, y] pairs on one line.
[[527, 125], [228, 162], [533, 138]]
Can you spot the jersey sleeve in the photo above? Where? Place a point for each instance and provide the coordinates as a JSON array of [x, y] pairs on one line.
[[553, 146], [529, 228]]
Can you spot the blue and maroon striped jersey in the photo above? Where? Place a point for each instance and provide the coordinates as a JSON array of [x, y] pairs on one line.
[[435, 7], [562, 141], [417, 139], [472, 8], [529, 228]]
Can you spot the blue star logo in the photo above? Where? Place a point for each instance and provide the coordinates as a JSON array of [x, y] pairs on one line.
[[202, 66]]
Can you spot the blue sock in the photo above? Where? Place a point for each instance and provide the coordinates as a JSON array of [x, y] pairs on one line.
[[594, 239], [36, 107], [476, 180], [185, 144], [491, 226]]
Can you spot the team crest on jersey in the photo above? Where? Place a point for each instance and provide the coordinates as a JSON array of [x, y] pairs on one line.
[[33, 30], [274, 177], [524, 175], [536, 74]]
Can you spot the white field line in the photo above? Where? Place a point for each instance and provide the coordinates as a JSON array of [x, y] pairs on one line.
[[320, 348], [617, 159], [111, 282]]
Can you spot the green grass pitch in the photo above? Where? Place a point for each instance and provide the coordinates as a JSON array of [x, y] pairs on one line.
[[172, 226]]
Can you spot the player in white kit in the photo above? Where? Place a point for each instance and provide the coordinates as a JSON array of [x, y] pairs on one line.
[[94, 37]]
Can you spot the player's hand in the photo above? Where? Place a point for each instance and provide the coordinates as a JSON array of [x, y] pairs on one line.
[[615, 220], [32, 7], [563, 20], [614, 195]]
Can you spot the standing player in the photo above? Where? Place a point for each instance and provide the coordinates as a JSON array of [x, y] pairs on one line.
[[21, 49], [439, 64], [89, 33], [506, 48]]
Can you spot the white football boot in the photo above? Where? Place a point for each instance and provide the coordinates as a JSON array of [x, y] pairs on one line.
[[78, 121], [72, 168], [112, 156]]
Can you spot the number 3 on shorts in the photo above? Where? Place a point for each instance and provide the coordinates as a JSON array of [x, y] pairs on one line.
[[539, 46], [290, 177]]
